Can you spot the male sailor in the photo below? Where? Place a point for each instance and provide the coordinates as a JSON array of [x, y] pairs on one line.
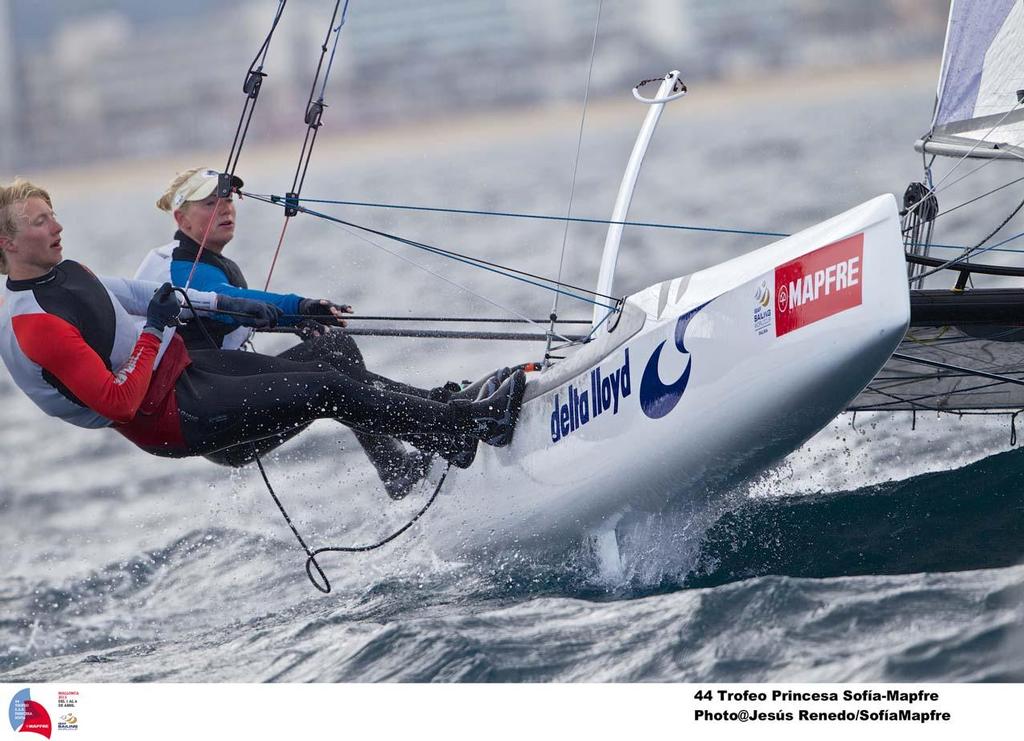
[[195, 257], [96, 353]]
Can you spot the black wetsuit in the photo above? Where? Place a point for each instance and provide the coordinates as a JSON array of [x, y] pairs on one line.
[[334, 348], [74, 343]]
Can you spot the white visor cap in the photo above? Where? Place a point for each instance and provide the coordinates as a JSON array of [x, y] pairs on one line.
[[199, 186]]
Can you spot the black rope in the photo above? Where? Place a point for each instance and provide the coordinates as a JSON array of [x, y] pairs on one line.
[[1013, 430], [972, 200], [311, 562]]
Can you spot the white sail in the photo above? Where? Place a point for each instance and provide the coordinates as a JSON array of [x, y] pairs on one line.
[[979, 111]]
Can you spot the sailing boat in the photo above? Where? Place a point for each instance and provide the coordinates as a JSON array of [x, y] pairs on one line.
[[690, 386], [963, 351], [715, 376]]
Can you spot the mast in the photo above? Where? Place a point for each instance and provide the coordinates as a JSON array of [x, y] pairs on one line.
[[671, 88]]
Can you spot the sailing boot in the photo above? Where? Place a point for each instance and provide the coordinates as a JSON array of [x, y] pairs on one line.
[[398, 469], [472, 391], [495, 416], [414, 467], [459, 450]]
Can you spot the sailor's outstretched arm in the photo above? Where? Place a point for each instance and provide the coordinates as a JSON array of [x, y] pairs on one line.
[[210, 278], [135, 295]]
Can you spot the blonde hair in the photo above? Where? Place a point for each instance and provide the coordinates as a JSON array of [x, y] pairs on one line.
[[11, 195], [164, 202]]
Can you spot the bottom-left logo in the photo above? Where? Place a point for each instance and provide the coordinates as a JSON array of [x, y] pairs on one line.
[[28, 716]]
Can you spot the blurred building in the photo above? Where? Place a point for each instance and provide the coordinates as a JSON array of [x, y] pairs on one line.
[[114, 78], [8, 140]]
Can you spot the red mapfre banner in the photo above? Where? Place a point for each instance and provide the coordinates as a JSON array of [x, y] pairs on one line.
[[819, 284]]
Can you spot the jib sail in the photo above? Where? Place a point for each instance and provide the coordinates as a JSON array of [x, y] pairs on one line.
[[979, 111]]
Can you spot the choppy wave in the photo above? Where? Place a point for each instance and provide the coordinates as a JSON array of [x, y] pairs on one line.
[[970, 518], [904, 581]]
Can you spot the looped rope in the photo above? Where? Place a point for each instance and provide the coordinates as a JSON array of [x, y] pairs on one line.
[[311, 562], [324, 585]]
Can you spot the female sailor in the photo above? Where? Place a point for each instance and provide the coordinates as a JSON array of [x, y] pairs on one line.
[[96, 353]]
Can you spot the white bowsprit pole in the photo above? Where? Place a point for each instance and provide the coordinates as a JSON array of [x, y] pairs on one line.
[[672, 88]]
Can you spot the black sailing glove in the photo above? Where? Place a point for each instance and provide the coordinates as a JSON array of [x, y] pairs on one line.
[[249, 312], [321, 309], [163, 308]]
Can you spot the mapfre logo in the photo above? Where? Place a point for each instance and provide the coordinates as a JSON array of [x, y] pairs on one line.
[[819, 284]]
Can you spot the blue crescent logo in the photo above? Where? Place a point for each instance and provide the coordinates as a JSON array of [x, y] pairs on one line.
[[657, 398]]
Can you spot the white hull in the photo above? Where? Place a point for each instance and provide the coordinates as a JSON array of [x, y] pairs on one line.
[[739, 393]]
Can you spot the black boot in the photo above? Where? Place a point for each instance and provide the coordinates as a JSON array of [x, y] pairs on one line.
[[414, 467], [472, 391], [459, 450], [445, 393], [398, 468], [493, 419]]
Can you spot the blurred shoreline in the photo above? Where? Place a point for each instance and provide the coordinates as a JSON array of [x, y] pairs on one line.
[[428, 137]]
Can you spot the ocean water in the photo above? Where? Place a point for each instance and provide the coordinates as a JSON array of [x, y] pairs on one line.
[[885, 549]]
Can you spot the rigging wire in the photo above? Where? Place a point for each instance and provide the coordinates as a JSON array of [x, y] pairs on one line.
[[253, 82], [576, 219], [540, 217], [572, 186], [315, 109], [252, 86], [978, 198], [454, 319], [314, 113], [443, 278], [963, 158], [977, 249], [504, 270], [314, 120]]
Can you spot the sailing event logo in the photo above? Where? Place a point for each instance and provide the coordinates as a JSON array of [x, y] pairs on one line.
[[658, 398], [762, 308], [28, 716], [603, 394], [819, 284]]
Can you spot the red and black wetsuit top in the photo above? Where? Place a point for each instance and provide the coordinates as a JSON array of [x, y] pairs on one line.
[[74, 343]]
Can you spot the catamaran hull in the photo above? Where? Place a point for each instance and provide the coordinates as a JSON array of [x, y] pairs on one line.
[[711, 379]]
